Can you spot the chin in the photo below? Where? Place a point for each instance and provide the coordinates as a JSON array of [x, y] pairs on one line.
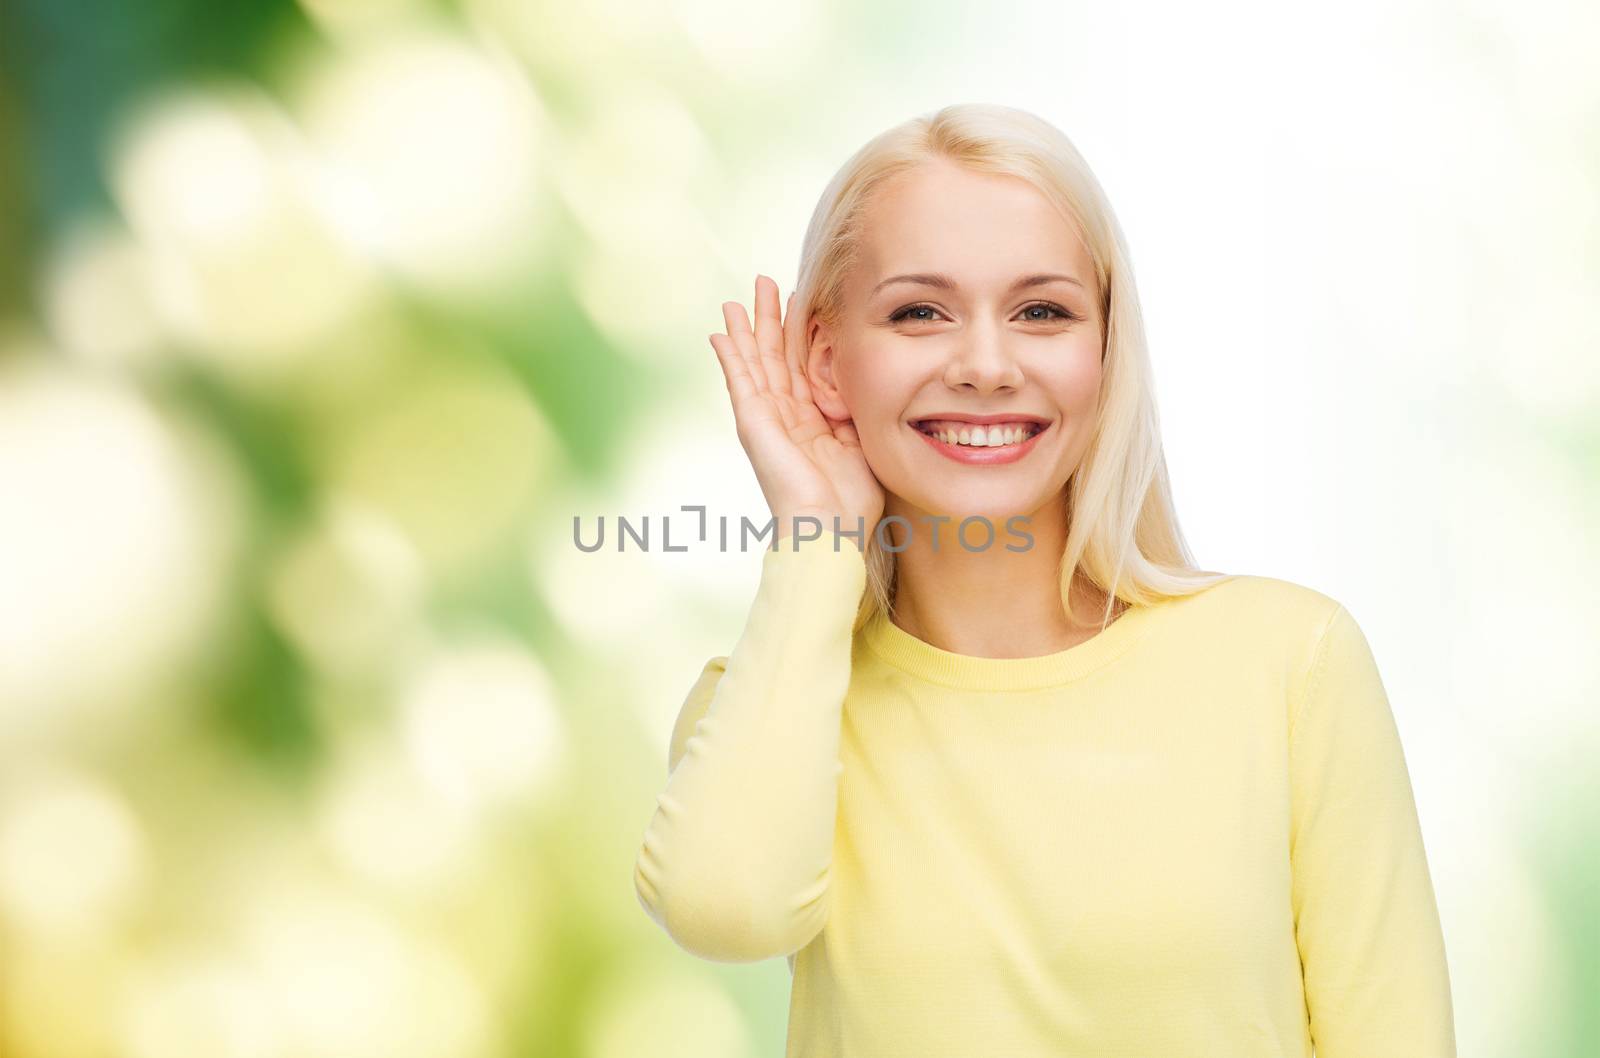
[[997, 510]]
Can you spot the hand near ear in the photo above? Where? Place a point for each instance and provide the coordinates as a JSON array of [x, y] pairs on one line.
[[806, 463]]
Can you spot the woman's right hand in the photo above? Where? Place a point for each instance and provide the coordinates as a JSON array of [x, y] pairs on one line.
[[806, 463]]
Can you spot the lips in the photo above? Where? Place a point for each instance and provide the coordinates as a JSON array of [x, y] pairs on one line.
[[983, 420], [950, 447]]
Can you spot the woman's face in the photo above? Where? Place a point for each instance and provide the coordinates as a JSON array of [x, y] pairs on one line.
[[974, 333]]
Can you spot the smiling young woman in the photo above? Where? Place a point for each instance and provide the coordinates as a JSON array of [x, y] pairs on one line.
[[975, 820]]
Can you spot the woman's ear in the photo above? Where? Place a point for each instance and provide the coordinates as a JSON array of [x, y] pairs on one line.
[[821, 360]]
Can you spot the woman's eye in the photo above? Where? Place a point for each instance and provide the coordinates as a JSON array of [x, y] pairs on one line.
[[1045, 308], [906, 313]]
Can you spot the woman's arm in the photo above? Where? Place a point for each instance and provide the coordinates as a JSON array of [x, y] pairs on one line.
[[735, 862], [1367, 926]]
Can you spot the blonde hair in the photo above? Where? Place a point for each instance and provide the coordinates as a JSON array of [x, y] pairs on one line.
[[1123, 536]]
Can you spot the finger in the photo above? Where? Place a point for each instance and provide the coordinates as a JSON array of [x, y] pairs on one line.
[[734, 369], [769, 334], [794, 344], [731, 313], [744, 336]]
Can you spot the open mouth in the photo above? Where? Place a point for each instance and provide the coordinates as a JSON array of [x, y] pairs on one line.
[[977, 435]]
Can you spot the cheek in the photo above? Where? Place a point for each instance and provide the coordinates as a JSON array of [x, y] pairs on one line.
[[876, 393], [1074, 380]]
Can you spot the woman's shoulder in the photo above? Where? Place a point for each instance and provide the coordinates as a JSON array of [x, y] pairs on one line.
[[1260, 607], [1266, 631], [1259, 589]]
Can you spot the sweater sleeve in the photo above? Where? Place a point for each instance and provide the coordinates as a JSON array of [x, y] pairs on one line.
[[1366, 924], [736, 858]]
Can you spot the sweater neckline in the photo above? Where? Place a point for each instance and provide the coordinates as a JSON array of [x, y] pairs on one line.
[[971, 672]]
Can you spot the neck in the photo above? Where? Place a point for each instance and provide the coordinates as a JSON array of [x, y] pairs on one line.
[[994, 602]]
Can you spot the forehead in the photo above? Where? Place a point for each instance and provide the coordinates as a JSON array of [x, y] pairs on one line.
[[943, 217]]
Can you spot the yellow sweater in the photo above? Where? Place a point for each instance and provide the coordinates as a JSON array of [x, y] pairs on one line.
[[1192, 834]]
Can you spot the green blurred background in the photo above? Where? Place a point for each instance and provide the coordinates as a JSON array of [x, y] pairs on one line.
[[320, 323]]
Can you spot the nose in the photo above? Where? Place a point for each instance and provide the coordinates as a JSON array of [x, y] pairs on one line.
[[983, 363]]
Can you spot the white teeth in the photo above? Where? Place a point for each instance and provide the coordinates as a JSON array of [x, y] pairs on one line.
[[985, 437]]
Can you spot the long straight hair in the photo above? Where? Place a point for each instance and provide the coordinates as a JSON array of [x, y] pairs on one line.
[[1123, 534]]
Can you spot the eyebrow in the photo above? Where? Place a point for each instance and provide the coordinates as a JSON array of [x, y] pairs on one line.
[[944, 282]]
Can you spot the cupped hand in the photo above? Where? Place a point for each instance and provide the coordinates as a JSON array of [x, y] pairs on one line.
[[805, 462]]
